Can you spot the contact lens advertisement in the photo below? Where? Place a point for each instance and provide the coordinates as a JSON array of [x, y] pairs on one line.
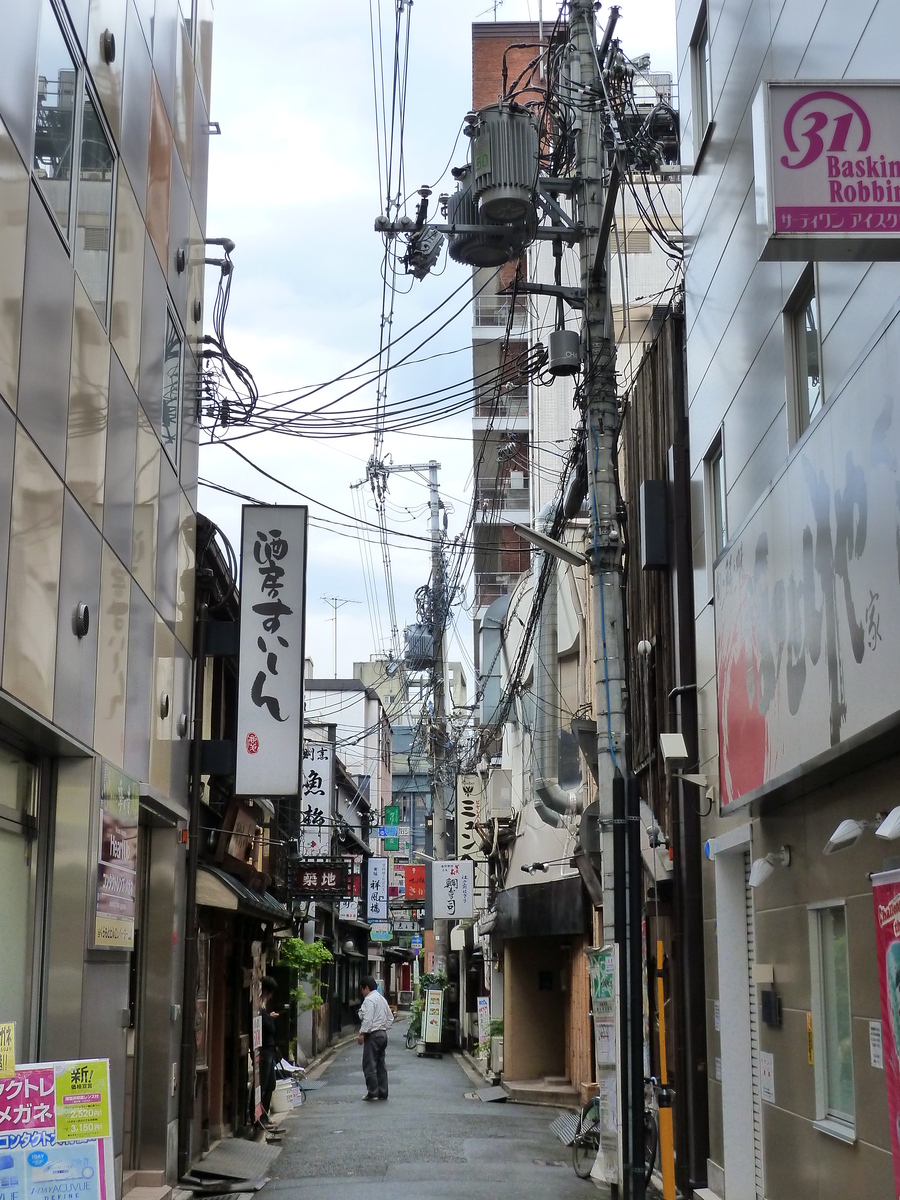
[[886, 893]]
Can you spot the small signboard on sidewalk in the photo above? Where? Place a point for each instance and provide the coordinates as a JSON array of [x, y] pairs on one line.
[[433, 1017]]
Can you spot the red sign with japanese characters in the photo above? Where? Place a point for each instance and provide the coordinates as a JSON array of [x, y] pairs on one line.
[[415, 883]]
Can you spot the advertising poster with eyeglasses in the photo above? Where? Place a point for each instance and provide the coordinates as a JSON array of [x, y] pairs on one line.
[[886, 896], [55, 1141]]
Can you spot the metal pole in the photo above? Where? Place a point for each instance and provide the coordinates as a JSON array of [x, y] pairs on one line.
[[598, 357], [336, 602], [439, 729], [189, 986]]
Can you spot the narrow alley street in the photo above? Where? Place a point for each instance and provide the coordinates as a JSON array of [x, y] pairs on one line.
[[428, 1140]]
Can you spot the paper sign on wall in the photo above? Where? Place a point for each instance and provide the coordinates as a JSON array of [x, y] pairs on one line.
[[82, 1099], [767, 1076], [7, 1050]]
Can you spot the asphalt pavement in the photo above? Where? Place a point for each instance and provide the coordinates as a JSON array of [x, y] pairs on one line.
[[431, 1139]]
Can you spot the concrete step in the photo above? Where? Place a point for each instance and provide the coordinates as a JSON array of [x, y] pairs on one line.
[[163, 1192], [138, 1179], [554, 1091]]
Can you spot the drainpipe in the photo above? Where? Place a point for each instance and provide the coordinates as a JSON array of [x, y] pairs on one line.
[[552, 802]]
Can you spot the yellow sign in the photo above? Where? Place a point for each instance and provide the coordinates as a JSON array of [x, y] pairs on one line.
[[8, 1050], [809, 1039], [82, 1100]]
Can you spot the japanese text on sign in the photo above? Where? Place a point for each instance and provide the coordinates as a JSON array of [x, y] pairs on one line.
[[270, 700], [377, 898], [453, 890], [316, 790]]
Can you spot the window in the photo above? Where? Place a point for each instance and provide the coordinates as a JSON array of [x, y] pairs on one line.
[[832, 1030], [701, 81], [94, 208], [716, 512], [54, 122], [804, 356], [74, 164]]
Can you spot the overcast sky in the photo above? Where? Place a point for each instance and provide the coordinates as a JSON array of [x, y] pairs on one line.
[[294, 182]]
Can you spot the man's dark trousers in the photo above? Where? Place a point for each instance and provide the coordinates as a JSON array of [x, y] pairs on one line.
[[373, 1064]]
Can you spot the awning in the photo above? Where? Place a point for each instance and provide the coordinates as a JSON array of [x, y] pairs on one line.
[[217, 889], [353, 921], [347, 834]]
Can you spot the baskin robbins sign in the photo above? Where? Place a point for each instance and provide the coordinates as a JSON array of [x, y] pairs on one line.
[[827, 163]]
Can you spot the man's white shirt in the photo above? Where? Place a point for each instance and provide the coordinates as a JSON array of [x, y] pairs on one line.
[[375, 1014]]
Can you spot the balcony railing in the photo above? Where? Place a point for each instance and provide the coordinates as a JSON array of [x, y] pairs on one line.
[[495, 311], [490, 587], [508, 402], [505, 496]]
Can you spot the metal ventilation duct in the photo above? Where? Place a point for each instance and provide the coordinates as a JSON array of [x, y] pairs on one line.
[[498, 244], [506, 163]]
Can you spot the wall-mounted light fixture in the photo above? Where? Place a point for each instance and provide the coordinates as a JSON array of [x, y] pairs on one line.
[[850, 831], [889, 829], [674, 752], [762, 868], [846, 835]]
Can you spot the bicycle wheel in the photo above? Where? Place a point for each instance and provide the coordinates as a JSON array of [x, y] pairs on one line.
[[412, 1036], [587, 1141], [651, 1144]]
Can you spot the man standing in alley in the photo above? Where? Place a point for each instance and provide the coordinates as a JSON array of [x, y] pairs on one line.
[[376, 1019]]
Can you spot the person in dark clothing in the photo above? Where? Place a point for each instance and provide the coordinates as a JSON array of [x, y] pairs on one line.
[[376, 1019], [267, 1051]]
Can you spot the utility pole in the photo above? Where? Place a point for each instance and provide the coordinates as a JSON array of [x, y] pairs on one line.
[[336, 602], [594, 197], [440, 606]]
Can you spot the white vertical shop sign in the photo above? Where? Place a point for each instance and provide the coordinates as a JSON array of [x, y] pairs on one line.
[[270, 678], [377, 896], [316, 796], [453, 890], [471, 810]]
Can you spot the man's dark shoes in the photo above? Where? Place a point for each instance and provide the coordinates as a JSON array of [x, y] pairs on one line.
[[370, 1096], [380, 1097]]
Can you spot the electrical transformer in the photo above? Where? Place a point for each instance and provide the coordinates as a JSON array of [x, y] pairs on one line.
[[498, 244], [505, 163]]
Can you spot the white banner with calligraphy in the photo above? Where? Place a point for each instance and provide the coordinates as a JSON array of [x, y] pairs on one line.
[[453, 890], [316, 796], [377, 895], [270, 677]]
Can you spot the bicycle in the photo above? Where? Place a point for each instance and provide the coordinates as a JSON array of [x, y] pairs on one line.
[[586, 1144]]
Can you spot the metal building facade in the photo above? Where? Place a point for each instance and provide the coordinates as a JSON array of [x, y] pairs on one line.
[[104, 139]]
